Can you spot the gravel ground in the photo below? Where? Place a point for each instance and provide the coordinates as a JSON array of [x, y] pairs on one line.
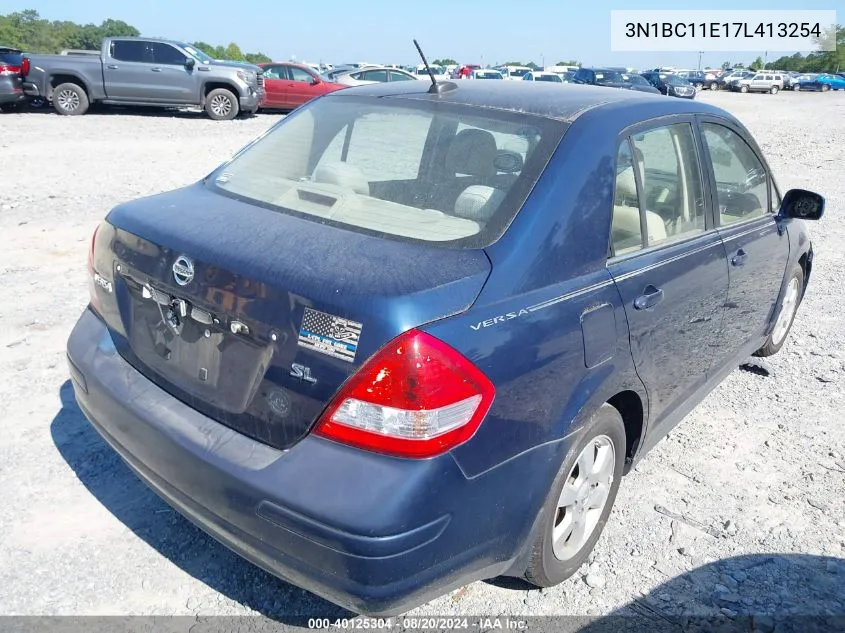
[[739, 511]]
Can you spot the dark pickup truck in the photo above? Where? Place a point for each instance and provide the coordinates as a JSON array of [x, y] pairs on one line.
[[146, 72]]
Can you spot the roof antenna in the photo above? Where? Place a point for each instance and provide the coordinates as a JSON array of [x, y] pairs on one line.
[[435, 87]]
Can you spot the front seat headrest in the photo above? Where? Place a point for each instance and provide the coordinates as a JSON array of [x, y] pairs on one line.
[[472, 152]]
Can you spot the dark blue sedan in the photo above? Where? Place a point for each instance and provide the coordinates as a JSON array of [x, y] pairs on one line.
[[410, 338]]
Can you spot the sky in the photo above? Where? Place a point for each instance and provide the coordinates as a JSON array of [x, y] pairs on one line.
[[336, 31]]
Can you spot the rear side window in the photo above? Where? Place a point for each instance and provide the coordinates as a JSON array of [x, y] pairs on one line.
[[626, 230], [131, 51], [671, 182], [741, 180], [375, 75], [432, 172]]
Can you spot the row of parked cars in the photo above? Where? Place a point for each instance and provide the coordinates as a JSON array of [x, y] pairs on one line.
[[154, 72]]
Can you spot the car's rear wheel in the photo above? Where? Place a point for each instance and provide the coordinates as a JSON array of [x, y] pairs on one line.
[[743, 88], [221, 105], [825, 87], [774, 90], [786, 314], [714, 85], [70, 99], [580, 500]]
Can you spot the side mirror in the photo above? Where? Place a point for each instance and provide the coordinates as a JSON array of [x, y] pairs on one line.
[[190, 62], [316, 81], [802, 205]]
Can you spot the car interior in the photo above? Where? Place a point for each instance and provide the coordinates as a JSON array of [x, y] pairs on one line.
[[670, 182], [441, 178]]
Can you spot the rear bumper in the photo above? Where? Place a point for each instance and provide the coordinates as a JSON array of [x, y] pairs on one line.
[[374, 534], [10, 90]]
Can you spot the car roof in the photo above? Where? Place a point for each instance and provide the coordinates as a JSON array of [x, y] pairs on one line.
[[564, 103], [9, 49]]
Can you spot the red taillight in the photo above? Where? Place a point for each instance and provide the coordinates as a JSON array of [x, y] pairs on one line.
[[417, 397], [25, 66], [9, 70]]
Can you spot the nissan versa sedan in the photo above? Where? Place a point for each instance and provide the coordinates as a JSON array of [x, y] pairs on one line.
[[414, 335]]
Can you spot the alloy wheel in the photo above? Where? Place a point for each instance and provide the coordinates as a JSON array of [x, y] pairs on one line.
[[787, 310], [584, 495]]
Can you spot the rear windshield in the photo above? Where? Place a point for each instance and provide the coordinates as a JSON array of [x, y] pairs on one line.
[[450, 174], [608, 76], [10, 57]]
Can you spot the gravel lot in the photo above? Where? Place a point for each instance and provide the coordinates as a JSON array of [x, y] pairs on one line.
[[739, 511]]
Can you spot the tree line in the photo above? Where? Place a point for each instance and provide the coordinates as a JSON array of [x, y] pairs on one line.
[[28, 31]]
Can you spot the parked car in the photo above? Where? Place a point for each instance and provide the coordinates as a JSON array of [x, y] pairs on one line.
[[822, 82], [701, 78], [639, 83], [288, 85], [728, 79], [343, 419], [439, 73], [485, 73], [600, 77], [513, 73], [146, 72], [374, 75], [760, 82], [13, 66], [536, 75], [670, 84]]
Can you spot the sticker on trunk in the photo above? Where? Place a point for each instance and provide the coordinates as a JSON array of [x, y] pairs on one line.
[[329, 334]]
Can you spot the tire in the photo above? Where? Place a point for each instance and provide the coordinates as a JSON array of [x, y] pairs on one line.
[[699, 86], [825, 87], [786, 314], [70, 99], [714, 85], [8, 107], [553, 563], [773, 90], [796, 87], [743, 89], [221, 104]]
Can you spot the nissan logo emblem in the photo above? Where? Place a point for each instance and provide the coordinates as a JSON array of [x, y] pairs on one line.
[[183, 270]]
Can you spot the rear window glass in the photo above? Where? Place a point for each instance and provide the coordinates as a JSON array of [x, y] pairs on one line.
[[431, 172], [13, 58]]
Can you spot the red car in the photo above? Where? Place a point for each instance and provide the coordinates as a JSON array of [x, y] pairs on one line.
[[289, 85]]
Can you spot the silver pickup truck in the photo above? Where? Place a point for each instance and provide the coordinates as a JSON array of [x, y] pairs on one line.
[[146, 72]]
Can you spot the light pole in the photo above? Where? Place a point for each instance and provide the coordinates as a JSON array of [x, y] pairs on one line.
[[700, 53], [765, 59]]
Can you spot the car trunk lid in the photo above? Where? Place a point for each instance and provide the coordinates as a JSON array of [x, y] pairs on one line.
[[256, 317]]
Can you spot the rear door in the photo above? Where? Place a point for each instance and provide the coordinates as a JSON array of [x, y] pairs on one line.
[[276, 85], [746, 204], [127, 71], [667, 261]]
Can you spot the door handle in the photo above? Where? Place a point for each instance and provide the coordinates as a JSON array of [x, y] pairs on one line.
[[651, 297], [156, 70], [114, 66], [739, 258]]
